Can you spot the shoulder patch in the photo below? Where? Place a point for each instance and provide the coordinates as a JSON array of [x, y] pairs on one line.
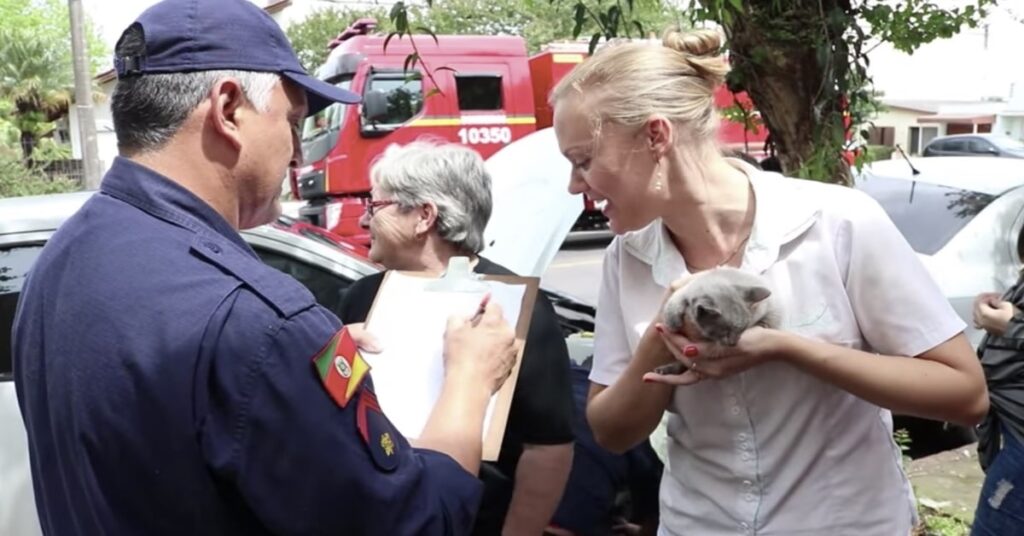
[[286, 295], [341, 367]]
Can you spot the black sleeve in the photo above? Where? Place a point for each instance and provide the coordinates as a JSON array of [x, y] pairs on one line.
[[543, 396], [357, 299]]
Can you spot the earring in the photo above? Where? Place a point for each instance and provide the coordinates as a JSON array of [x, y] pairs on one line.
[[657, 178]]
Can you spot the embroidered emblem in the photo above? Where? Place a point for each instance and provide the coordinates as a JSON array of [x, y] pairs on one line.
[[341, 367], [387, 444]]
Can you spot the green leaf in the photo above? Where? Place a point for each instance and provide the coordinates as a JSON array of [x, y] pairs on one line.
[[388, 40], [397, 9], [593, 43], [639, 28], [737, 4], [429, 32], [410, 61], [580, 16]]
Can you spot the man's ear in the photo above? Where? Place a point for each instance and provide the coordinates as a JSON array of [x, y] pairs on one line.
[[227, 103], [658, 134], [428, 218]]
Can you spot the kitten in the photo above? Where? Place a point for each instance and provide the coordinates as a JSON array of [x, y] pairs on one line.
[[718, 306]]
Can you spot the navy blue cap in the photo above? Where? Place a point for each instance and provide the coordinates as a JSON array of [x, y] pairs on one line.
[[204, 35]]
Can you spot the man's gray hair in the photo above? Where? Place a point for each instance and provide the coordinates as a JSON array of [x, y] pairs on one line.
[[451, 176], [149, 110]]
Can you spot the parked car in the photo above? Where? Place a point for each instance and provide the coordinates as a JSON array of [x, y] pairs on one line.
[[963, 216], [320, 260], [975, 145]]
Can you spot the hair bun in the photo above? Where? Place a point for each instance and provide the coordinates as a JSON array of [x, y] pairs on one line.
[[694, 43], [702, 50]]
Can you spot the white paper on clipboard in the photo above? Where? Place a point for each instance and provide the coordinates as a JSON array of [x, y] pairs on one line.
[[409, 321]]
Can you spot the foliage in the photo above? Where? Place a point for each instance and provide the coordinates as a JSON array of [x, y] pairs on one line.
[[878, 152], [935, 523], [310, 37], [803, 62], [539, 22], [36, 76], [49, 19], [17, 179], [822, 47]]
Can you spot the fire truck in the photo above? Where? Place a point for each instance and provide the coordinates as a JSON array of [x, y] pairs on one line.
[[481, 91]]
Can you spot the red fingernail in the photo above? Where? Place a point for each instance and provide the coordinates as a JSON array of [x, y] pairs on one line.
[[648, 380], [659, 328], [690, 351]]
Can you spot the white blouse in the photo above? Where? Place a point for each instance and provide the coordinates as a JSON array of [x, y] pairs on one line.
[[774, 451]]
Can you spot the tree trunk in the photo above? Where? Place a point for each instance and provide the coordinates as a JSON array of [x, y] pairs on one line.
[[775, 59], [28, 145]]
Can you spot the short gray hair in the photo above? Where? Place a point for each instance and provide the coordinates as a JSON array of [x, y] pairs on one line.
[[148, 110], [451, 176]]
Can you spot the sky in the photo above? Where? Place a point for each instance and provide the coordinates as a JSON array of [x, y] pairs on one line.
[[969, 66]]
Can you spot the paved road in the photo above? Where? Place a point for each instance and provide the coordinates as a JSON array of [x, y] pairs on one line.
[[576, 269]]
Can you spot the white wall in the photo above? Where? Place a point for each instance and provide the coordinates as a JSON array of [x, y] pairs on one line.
[[901, 120], [1009, 126]]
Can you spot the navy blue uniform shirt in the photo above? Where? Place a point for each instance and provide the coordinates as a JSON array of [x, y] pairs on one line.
[[166, 381]]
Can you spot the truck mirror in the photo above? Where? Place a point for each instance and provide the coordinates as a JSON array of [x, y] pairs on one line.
[[375, 106]]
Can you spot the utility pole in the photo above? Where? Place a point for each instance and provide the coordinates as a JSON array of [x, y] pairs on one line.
[[83, 99]]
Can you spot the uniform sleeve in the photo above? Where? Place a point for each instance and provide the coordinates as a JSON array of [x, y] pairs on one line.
[[899, 307], [297, 459], [543, 396], [611, 347]]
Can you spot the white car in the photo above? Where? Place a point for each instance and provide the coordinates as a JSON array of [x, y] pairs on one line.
[[963, 216], [531, 200]]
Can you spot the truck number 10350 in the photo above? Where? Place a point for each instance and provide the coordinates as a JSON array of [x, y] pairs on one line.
[[474, 136]]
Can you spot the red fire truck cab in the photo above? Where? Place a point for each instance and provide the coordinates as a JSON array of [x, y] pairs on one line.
[[481, 91]]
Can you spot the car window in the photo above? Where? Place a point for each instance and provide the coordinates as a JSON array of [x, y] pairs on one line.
[[404, 95], [479, 92], [326, 287], [954, 145], [980, 146], [14, 266], [927, 215]]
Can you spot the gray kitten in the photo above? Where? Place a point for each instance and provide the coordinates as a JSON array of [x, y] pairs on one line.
[[718, 306]]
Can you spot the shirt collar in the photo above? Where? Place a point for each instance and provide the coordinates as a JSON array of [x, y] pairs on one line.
[[783, 213], [165, 199]]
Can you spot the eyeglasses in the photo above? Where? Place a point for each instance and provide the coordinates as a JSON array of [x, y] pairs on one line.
[[373, 206]]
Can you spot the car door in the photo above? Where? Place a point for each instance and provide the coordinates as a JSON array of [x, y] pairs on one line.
[[17, 501], [982, 147], [935, 148]]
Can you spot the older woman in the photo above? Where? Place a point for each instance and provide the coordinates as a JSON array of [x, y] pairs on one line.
[[429, 203]]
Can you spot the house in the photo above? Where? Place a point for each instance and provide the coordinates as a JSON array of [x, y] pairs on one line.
[[911, 124]]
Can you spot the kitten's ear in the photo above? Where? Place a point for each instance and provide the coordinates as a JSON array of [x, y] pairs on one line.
[[756, 294], [706, 312]]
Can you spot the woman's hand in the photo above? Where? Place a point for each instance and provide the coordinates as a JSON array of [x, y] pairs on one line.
[[992, 314], [702, 360], [363, 338]]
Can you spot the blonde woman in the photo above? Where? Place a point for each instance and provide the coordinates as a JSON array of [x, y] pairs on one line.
[[790, 431]]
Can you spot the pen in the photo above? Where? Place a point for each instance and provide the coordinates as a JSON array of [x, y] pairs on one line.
[[480, 310]]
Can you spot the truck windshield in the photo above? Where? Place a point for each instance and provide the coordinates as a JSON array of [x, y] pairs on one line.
[[320, 131]]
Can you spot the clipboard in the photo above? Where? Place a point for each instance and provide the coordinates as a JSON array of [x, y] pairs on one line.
[[408, 374]]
